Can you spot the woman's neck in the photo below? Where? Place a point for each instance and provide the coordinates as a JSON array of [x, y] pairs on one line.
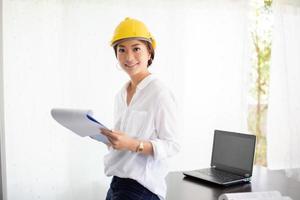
[[137, 78]]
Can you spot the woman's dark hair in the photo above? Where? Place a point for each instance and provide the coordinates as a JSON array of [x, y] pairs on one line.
[[149, 47]]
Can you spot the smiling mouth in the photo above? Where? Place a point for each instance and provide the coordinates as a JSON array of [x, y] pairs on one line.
[[131, 66]]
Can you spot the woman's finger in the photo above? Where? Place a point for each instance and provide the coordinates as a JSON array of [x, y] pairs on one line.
[[105, 132], [112, 135]]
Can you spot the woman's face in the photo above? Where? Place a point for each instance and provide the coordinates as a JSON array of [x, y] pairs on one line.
[[133, 56]]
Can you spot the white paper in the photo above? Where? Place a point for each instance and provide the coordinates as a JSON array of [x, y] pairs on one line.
[[80, 122], [269, 195], [286, 198]]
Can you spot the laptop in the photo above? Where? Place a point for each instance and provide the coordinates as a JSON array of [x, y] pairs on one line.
[[231, 160]]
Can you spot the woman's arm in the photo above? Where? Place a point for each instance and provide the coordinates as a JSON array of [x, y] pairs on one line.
[[166, 123]]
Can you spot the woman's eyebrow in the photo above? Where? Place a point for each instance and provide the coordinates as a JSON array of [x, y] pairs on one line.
[[135, 45]]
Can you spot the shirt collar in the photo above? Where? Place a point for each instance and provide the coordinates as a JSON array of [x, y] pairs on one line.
[[140, 86]]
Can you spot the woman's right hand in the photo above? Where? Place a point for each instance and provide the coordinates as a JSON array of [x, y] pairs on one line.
[[119, 140]]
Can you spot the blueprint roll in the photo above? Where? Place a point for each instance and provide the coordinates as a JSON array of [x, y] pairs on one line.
[[268, 195]]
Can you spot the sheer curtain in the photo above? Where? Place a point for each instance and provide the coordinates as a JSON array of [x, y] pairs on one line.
[[283, 127]]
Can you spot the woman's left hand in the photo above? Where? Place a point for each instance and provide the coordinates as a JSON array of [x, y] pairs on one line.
[[120, 140]]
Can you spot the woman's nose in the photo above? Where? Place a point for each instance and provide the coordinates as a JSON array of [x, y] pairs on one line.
[[129, 57]]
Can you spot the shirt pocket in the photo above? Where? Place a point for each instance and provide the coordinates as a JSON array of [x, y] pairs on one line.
[[136, 123]]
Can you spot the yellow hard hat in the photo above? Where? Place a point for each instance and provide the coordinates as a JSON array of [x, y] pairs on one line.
[[132, 28]]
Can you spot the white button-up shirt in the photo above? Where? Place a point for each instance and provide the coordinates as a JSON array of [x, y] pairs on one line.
[[151, 116]]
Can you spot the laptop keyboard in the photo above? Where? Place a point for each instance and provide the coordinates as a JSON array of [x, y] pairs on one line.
[[219, 175]]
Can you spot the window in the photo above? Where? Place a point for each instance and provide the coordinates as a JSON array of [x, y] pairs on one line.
[[261, 31]]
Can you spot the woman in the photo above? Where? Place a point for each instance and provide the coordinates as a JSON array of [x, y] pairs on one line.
[[145, 129]]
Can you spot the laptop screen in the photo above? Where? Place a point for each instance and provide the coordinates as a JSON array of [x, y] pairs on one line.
[[233, 151]]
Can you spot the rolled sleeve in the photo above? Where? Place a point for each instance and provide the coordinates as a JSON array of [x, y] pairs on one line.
[[166, 124]]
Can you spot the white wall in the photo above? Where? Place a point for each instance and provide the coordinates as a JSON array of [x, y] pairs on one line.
[[57, 54], [2, 143]]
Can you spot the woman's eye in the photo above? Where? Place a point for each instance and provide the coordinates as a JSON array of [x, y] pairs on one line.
[[136, 49], [121, 50]]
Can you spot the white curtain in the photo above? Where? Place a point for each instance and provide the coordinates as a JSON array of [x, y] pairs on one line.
[[283, 126], [57, 54]]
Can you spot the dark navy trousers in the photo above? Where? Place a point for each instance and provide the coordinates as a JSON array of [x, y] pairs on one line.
[[128, 189]]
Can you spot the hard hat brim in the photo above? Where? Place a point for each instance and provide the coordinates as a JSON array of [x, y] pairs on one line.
[[115, 43]]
